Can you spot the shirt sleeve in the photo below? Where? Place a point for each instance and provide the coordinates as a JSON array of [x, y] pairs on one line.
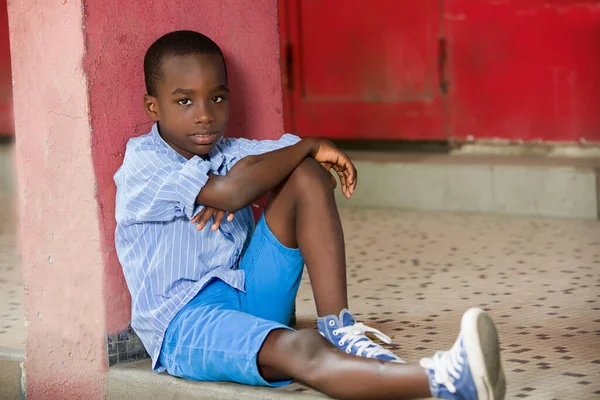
[[151, 188], [247, 147]]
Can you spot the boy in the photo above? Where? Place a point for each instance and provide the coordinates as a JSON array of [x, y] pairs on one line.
[[213, 303]]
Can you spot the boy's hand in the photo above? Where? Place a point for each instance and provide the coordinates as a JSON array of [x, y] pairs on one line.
[[206, 213], [331, 157]]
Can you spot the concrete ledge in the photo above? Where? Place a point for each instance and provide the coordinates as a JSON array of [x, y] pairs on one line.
[[7, 178], [548, 187], [136, 381], [10, 373]]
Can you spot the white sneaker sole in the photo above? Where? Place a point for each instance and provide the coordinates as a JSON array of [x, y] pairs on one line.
[[481, 343]]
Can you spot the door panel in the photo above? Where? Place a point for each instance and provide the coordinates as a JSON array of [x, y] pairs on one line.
[[358, 69], [6, 114], [530, 73]]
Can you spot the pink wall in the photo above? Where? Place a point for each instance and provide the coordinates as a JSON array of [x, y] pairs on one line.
[[117, 36], [60, 236], [78, 98]]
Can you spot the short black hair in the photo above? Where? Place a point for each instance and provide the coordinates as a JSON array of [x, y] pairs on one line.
[[178, 43]]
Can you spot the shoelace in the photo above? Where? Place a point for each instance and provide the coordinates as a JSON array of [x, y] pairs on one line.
[[355, 335], [447, 366]]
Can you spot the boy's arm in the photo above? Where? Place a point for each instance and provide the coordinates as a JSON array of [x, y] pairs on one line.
[[254, 176], [153, 188]]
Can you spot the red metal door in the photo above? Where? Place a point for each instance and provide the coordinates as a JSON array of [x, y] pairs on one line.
[[524, 70], [6, 115], [355, 69]]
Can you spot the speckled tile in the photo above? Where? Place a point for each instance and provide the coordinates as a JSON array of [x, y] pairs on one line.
[[12, 322], [413, 274]]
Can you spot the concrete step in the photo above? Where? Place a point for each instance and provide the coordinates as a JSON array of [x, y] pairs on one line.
[[136, 381], [512, 185], [7, 170], [10, 373]]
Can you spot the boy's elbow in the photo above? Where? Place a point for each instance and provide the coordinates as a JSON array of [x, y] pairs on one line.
[[225, 195], [236, 206], [236, 200], [230, 201]]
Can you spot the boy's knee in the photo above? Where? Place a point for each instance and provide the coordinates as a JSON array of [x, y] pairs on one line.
[[310, 175]]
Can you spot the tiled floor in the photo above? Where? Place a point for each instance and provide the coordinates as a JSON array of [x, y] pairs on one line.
[[12, 322], [412, 275]]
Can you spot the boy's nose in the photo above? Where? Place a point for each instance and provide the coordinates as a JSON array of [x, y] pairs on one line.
[[204, 116]]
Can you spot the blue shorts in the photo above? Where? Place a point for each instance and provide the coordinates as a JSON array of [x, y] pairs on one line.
[[218, 334]]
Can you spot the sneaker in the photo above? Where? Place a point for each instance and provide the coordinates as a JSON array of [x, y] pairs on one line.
[[472, 369], [348, 335]]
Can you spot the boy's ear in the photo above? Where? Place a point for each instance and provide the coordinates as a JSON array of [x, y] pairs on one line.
[[151, 107]]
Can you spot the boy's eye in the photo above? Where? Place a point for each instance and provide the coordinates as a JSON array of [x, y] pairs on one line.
[[184, 102], [217, 99]]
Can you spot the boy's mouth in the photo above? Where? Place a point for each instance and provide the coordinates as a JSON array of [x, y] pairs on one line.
[[204, 138]]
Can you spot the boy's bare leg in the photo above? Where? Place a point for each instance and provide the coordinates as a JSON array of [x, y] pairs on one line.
[[470, 370], [311, 359], [302, 213]]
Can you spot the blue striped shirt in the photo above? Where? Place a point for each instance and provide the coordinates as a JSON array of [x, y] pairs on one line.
[[165, 260]]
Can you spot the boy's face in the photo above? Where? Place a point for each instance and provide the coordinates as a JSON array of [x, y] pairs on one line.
[[191, 103]]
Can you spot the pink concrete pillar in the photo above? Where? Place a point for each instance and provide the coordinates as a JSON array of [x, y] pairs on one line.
[[62, 259], [77, 67]]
